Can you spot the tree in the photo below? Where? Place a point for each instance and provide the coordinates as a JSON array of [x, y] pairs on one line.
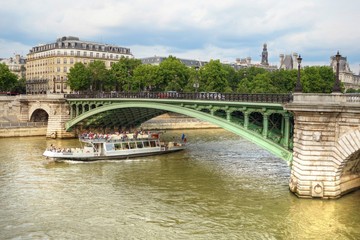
[[214, 77], [262, 84], [122, 73], [246, 79], [99, 76], [145, 76], [317, 79], [172, 75], [79, 77], [8, 80], [20, 86], [232, 77], [283, 80]]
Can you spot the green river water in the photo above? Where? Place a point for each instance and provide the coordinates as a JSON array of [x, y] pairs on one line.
[[220, 187]]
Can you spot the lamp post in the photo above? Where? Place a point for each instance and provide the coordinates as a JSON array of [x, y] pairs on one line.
[[196, 84], [337, 88], [298, 87], [54, 85]]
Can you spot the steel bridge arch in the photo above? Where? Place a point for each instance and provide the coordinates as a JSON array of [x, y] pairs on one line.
[[270, 146]]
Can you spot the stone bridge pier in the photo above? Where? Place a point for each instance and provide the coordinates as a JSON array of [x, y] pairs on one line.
[[53, 107], [326, 154]]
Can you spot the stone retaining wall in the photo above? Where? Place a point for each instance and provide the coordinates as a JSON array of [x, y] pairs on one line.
[[23, 132]]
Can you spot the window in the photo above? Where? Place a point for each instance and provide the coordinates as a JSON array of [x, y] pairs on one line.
[[65, 60], [91, 54], [103, 55], [65, 69], [78, 53], [58, 60], [71, 60], [72, 53], [58, 69], [97, 55], [85, 54]]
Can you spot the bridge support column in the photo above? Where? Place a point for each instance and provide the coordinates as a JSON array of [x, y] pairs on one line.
[[326, 154], [246, 119], [265, 125], [77, 110], [228, 115], [286, 130]]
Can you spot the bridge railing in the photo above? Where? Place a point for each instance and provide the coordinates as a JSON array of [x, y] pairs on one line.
[[352, 97], [213, 96]]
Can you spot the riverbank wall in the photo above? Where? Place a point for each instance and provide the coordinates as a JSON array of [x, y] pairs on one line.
[[23, 132], [169, 121], [175, 121]]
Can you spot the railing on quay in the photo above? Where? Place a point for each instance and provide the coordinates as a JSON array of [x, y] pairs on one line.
[[235, 97], [352, 97], [22, 124]]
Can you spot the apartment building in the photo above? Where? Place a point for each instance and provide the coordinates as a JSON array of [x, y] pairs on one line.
[[47, 65], [16, 65]]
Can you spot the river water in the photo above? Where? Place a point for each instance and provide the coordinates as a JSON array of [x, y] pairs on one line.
[[220, 187]]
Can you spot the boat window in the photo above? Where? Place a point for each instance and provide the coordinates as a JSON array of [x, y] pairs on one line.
[[153, 143], [146, 144], [139, 144], [117, 146], [132, 145], [109, 146]]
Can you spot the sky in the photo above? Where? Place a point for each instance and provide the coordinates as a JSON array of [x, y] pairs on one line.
[[190, 29]]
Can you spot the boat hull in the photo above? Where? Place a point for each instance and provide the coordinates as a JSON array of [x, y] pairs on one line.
[[55, 156]]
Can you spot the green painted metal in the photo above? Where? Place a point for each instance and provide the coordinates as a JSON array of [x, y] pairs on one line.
[[193, 109]]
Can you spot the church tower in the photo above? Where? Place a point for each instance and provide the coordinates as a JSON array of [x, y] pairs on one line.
[[264, 56]]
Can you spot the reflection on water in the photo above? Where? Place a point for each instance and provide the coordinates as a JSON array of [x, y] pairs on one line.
[[221, 187]]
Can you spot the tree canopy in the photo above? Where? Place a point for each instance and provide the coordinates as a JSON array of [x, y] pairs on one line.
[[8, 80], [172, 75]]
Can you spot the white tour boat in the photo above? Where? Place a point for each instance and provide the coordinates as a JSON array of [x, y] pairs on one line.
[[115, 146]]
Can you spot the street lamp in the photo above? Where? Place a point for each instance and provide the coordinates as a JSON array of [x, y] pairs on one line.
[[298, 87], [196, 84], [337, 88]]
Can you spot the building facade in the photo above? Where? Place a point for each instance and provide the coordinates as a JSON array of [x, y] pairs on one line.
[[47, 65], [16, 65], [346, 76], [156, 60]]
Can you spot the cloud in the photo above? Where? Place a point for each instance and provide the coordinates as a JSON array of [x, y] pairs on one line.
[[202, 29]]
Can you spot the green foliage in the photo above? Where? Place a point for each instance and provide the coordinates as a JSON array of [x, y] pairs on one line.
[[232, 78], [122, 74], [172, 75], [8, 80], [352, 90], [79, 77], [313, 79], [213, 77], [283, 80], [145, 76], [99, 76], [317, 79], [20, 86]]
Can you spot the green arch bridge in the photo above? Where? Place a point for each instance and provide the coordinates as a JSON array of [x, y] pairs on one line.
[[260, 118]]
